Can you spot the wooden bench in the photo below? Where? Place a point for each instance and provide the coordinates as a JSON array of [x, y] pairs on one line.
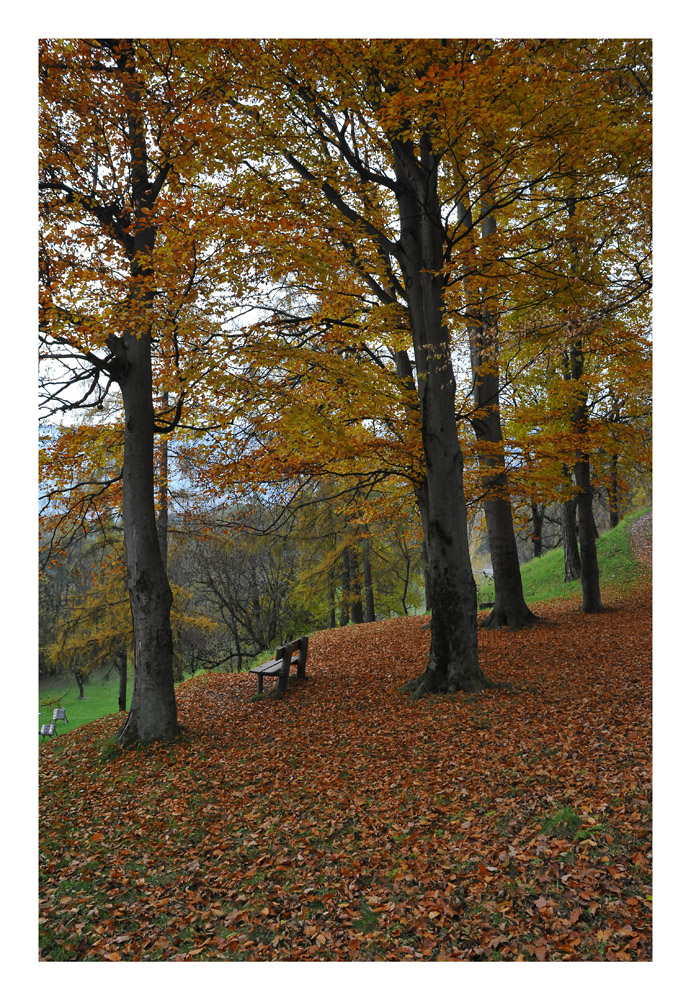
[[60, 713], [47, 729], [293, 652]]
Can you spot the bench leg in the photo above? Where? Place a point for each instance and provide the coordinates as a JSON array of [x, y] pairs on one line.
[[260, 683], [282, 682]]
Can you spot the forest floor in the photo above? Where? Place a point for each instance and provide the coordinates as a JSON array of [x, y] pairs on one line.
[[345, 822]]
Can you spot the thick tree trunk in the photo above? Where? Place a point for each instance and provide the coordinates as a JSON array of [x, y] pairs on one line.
[[153, 714], [590, 571], [370, 616], [453, 659], [572, 560]]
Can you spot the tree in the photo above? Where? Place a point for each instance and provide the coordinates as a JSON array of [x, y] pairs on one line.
[[126, 131]]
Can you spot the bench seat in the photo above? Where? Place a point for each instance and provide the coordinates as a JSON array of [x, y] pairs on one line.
[[293, 653]]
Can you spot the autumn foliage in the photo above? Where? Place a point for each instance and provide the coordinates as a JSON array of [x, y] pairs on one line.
[[345, 822]]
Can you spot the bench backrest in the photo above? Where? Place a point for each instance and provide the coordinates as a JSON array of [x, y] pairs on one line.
[[285, 653]]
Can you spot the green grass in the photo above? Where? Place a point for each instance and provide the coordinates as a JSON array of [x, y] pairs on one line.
[[100, 698], [543, 578]]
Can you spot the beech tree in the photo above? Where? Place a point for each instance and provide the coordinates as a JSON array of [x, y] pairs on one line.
[[126, 131]]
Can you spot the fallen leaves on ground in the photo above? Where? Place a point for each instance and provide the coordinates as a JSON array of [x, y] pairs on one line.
[[345, 822]]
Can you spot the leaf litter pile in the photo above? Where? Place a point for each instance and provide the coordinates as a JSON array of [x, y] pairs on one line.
[[345, 822]]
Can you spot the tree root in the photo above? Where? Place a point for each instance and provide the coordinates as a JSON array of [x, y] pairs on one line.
[[423, 685], [502, 619]]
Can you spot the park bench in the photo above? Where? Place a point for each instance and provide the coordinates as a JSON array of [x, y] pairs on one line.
[[293, 652], [60, 714], [47, 729]]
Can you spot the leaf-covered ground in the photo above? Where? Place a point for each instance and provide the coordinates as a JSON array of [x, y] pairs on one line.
[[346, 823]]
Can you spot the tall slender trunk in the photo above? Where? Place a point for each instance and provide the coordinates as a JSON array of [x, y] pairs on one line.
[[453, 659], [356, 611], [509, 605], [406, 579], [367, 573], [587, 532], [345, 587], [332, 598]]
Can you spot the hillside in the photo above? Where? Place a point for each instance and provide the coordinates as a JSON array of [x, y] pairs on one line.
[[345, 822]]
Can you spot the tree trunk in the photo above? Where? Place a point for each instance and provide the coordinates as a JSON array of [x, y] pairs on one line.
[[537, 513], [153, 712], [590, 571], [79, 677], [367, 571], [572, 560], [453, 659], [406, 581], [345, 587], [587, 532], [356, 611], [332, 599], [509, 608]]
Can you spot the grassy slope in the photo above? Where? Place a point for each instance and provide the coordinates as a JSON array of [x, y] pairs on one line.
[[543, 578], [542, 582]]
